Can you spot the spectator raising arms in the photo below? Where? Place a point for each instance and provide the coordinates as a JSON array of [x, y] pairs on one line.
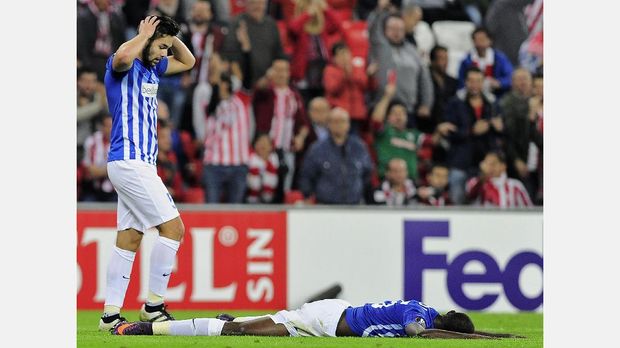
[[309, 31], [398, 59], [345, 83]]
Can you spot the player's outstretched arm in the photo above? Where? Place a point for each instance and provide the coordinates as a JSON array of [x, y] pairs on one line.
[[500, 335], [182, 58], [438, 333], [132, 49]]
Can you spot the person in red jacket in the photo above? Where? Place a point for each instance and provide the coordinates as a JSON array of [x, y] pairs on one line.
[[309, 30], [345, 81]]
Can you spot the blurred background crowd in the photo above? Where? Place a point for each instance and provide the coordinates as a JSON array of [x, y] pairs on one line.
[[391, 102]]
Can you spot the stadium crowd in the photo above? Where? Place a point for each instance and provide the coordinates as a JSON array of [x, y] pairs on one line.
[[331, 101]]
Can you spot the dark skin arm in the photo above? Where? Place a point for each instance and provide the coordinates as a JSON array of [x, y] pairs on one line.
[[439, 333]]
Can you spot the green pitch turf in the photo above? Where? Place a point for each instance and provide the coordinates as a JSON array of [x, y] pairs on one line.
[[525, 324]]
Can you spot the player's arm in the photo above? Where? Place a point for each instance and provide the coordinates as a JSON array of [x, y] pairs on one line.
[[182, 58], [499, 335], [132, 49], [438, 333]]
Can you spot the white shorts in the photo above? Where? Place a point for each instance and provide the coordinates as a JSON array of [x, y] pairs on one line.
[[143, 199], [318, 318]]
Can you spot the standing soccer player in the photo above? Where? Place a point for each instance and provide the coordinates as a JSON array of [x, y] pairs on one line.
[[131, 81]]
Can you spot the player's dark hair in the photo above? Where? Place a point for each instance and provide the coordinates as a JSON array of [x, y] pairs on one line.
[[481, 30], [166, 26], [458, 322], [434, 50]]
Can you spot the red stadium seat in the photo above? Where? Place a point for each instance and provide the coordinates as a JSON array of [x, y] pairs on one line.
[[293, 197]]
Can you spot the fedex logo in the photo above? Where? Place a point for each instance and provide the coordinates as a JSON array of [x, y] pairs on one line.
[[418, 259]]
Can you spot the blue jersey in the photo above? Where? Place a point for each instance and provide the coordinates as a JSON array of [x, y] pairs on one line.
[[132, 100], [389, 319]]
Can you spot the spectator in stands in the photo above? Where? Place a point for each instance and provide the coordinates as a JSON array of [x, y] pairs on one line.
[[167, 163], [318, 110], [96, 186], [263, 170], [515, 112], [263, 37], [444, 88], [174, 9], [531, 50], [399, 60], [91, 102], [479, 130], [494, 188], [494, 64], [505, 20], [535, 156], [227, 142], [345, 84], [309, 31], [204, 38], [392, 137], [441, 10], [337, 170], [397, 189], [435, 193], [279, 111], [412, 15], [100, 31], [134, 11]]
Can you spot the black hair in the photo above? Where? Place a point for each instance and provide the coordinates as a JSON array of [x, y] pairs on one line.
[[396, 102], [391, 15], [259, 135], [437, 48], [338, 46], [500, 155], [458, 322], [481, 30], [438, 165], [166, 26], [85, 69], [538, 75], [474, 69]]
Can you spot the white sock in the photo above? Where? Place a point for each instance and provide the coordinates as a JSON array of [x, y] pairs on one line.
[[189, 327], [162, 260], [117, 277], [243, 319]]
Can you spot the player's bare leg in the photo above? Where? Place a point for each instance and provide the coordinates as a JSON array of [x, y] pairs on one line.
[[256, 327], [203, 327], [162, 260], [118, 274]]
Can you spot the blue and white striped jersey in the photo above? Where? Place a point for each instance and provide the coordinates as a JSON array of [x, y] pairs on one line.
[[132, 100], [389, 319]]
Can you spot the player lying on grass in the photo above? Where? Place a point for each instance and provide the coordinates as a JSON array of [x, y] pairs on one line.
[[327, 318]]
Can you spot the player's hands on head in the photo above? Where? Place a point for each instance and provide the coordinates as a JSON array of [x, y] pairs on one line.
[[148, 26]]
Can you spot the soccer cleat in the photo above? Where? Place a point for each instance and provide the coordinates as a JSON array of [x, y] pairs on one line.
[[135, 328], [225, 317], [159, 314], [108, 323]]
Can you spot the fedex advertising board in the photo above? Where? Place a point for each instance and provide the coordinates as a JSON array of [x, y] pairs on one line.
[[228, 260], [467, 260]]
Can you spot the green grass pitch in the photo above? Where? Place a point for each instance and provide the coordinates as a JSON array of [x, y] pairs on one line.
[[525, 324]]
